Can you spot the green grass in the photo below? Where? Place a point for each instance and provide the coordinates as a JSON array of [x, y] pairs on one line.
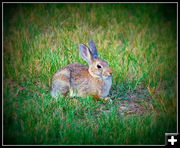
[[137, 40]]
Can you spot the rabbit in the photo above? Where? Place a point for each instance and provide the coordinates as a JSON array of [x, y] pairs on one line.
[[79, 80]]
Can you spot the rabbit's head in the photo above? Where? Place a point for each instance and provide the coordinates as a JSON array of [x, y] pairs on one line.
[[97, 66]]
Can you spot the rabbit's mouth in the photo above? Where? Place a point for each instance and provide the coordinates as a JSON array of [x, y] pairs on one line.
[[107, 74]]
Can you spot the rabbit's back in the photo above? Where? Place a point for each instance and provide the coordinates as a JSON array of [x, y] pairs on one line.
[[70, 72], [69, 78]]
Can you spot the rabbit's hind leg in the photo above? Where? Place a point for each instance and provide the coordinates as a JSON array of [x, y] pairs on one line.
[[60, 85], [59, 88]]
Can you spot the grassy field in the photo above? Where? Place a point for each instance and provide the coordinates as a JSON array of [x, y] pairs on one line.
[[138, 40]]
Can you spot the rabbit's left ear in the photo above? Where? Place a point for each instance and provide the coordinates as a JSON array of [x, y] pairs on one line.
[[93, 49]]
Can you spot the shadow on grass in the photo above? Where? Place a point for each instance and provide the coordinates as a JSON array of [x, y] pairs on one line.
[[131, 101]]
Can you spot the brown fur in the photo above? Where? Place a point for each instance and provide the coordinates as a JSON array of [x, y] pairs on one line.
[[62, 77]]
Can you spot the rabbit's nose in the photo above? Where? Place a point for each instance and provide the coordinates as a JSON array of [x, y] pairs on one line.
[[109, 72]]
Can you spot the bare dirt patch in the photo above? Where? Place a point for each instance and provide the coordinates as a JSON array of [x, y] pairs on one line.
[[131, 102]]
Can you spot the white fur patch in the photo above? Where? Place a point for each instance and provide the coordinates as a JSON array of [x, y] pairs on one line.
[[72, 94], [107, 86]]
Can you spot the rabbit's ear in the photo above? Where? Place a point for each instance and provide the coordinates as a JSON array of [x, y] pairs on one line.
[[93, 49], [85, 53]]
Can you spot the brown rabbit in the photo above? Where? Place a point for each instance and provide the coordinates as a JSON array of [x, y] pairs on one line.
[[81, 80]]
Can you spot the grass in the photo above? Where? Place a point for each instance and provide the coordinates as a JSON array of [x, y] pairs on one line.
[[138, 41]]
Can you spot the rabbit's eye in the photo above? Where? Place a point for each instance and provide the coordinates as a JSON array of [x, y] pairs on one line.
[[98, 66]]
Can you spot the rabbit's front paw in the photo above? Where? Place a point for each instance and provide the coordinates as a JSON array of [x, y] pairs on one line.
[[107, 100]]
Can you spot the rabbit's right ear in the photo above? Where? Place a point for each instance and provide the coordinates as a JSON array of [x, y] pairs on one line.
[[85, 53], [93, 48]]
